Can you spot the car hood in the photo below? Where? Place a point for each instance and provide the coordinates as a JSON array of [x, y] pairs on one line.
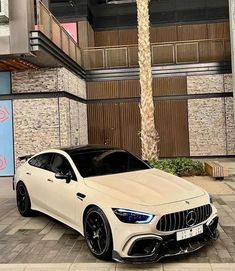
[[149, 187]]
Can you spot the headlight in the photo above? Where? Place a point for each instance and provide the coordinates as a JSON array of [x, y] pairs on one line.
[[133, 217]]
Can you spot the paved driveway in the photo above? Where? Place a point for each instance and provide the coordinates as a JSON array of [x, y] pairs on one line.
[[41, 239]]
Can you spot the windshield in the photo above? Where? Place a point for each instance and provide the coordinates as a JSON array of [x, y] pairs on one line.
[[104, 162]]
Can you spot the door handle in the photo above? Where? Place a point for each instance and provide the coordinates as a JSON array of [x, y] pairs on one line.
[[28, 173], [49, 180], [80, 196]]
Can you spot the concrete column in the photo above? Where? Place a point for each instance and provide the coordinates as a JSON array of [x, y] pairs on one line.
[[232, 36]]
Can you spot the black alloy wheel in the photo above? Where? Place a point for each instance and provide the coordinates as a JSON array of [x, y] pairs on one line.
[[98, 234], [23, 200]]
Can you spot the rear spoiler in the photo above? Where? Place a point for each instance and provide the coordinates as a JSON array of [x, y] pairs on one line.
[[25, 157]]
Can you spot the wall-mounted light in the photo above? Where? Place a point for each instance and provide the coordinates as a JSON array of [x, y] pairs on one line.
[[118, 2]]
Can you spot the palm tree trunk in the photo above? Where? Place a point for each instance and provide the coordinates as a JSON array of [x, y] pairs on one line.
[[149, 135]]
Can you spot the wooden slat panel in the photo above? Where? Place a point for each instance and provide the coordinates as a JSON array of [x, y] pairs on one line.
[[111, 125], [187, 53], [95, 124], [218, 30], [106, 38], [227, 46], [130, 127], [133, 56], [94, 59], [163, 34], [163, 54], [172, 125], [192, 32], [102, 89], [116, 57], [82, 34], [113, 89], [128, 36], [119, 125], [211, 51], [165, 86], [15, 64], [129, 88]]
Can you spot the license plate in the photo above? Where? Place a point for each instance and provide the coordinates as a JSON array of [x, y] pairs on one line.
[[181, 235]]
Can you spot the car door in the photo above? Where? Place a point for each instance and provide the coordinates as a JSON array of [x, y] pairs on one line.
[[37, 173], [61, 194]]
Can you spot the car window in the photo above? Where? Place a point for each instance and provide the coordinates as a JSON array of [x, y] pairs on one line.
[[60, 164], [104, 162], [42, 161]]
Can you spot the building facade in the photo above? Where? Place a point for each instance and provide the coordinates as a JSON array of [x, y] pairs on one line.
[[70, 76]]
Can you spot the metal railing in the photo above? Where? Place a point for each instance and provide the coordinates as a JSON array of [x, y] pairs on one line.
[[50, 26], [126, 56], [178, 52]]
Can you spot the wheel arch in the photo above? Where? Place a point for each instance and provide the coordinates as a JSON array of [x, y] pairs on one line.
[[86, 210]]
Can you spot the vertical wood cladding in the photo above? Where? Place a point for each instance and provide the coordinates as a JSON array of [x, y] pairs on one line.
[[164, 34], [164, 86], [118, 124], [172, 125]]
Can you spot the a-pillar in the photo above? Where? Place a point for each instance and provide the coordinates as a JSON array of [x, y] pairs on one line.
[[46, 3], [232, 35]]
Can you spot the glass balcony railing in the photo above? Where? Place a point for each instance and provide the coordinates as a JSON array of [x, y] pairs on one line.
[[53, 30], [179, 52]]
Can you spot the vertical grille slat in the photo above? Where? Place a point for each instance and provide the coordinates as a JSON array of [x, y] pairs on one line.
[[177, 221], [203, 213]]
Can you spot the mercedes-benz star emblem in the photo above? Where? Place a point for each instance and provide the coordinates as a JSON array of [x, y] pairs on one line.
[[191, 219]]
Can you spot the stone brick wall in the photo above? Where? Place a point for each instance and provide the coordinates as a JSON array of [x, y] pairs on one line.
[[207, 134], [48, 122], [228, 83], [230, 126], [4, 30], [48, 80], [205, 84], [42, 80], [70, 83], [211, 121], [36, 125]]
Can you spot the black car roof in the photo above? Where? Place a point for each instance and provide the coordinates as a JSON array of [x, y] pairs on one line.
[[87, 148]]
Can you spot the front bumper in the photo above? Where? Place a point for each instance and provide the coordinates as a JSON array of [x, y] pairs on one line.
[[166, 246]]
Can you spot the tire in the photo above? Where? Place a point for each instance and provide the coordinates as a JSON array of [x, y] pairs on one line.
[[23, 200], [98, 234]]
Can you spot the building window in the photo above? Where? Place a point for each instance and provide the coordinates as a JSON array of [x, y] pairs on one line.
[[5, 83]]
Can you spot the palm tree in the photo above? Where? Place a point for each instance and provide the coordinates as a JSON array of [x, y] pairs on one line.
[[149, 134]]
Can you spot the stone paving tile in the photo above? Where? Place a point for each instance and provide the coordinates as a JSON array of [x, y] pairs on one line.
[[41, 239]]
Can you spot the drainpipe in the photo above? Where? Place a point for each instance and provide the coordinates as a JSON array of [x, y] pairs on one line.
[[232, 37]]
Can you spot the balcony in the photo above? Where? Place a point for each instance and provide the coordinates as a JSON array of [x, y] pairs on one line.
[[36, 39], [52, 43], [166, 53]]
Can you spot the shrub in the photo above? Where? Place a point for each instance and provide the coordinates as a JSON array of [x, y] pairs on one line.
[[180, 166]]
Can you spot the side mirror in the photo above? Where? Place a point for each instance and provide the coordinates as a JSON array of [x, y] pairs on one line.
[[62, 176]]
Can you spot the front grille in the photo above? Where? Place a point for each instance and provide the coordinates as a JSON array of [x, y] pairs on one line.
[[177, 221]]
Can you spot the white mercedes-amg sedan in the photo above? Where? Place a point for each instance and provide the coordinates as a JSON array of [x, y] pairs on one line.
[[126, 210]]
